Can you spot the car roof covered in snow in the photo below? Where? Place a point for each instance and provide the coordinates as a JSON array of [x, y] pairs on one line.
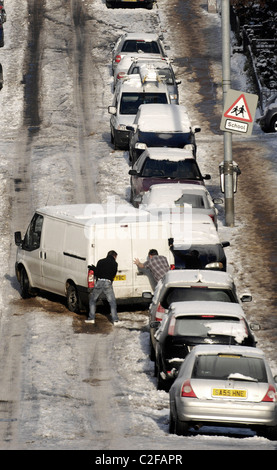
[[163, 118]]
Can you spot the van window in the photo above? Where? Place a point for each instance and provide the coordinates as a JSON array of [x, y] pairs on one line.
[[32, 237]]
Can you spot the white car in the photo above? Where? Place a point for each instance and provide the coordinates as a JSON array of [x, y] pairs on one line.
[[175, 196], [136, 45]]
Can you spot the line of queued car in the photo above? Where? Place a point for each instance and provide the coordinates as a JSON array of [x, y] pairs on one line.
[[202, 345]]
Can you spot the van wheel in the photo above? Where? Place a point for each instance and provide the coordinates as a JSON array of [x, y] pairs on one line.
[[72, 299], [24, 284]]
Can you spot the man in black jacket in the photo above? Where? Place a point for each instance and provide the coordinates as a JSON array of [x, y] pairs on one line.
[[105, 272]]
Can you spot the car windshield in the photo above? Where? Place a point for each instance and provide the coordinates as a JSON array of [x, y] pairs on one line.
[[130, 102], [148, 47], [211, 325], [179, 294], [198, 256], [223, 366], [186, 169], [168, 139], [196, 201]]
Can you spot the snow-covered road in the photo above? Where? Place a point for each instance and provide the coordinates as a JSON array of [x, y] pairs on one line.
[[65, 384]]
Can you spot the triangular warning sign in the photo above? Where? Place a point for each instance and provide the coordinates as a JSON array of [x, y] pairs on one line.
[[239, 110]]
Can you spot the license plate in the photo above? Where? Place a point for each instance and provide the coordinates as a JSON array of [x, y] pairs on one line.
[[228, 393], [120, 277]]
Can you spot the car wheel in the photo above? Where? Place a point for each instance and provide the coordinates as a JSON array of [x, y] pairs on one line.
[[72, 299], [161, 383], [181, 427], [24, 284], [172, 424], [273, 124]]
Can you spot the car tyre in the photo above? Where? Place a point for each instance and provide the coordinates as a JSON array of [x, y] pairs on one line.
[[24, 284], [72, 299], [273, 124]]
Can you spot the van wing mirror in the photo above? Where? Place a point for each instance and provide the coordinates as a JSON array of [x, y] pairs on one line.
[[18, 238], [112, 109]]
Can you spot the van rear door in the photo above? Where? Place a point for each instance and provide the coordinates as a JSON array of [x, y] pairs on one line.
[[117, 237]]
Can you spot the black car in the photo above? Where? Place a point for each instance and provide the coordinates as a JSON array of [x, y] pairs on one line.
[[188, 324], [161, 125], [123, 3], [268, 121]]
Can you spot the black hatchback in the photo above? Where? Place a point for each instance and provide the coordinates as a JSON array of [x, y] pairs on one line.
[[188, 324]]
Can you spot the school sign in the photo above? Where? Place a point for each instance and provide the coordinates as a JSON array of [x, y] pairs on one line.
[[239, 112]]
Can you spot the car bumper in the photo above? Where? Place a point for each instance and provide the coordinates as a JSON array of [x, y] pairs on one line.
[[227, 412]]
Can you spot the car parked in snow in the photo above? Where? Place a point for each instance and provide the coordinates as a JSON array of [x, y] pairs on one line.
[[161, 125], [268, 121], [171, 197], [128, 96], [150, 64], [136, 45], [190, 285], [190, 323], [124, 3], [158, 165], [224, 386]]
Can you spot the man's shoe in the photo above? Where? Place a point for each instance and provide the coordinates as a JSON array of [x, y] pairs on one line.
[[116, 323], [89, 321]]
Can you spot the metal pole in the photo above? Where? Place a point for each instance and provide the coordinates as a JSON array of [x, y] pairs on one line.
[[226, 81]]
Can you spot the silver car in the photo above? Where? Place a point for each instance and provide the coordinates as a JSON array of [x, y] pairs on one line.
[[133, 45], [162, 197], [226, 386]]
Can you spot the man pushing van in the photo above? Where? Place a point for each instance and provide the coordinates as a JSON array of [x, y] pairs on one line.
[[105, 272]]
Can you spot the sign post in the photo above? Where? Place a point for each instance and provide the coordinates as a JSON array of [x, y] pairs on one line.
[[226, 82]]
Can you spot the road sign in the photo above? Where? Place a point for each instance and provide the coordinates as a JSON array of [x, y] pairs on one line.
[[239, 112]]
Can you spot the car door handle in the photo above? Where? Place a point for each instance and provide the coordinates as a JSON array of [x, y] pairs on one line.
[[42, 255]]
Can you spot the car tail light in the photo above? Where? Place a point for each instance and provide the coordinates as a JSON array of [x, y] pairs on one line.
[[172, 267], [160, 309], [117, 59], [120, 75], [90, 278], [212, 217], [171, 326], [187, 390], [270, 394]]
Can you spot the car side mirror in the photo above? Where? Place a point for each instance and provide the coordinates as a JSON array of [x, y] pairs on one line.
[[246, 298], [225, 244], [18, 238], [206, 177], [112, 109], [133, 172], [254, 326]]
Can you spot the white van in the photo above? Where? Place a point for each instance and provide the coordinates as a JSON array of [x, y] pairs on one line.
[[62, 241], [129, 94]]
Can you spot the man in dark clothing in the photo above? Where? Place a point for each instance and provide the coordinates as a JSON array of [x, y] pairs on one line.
[[105, 272]]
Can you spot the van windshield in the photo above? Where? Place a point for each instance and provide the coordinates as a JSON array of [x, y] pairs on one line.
[[130, 102]]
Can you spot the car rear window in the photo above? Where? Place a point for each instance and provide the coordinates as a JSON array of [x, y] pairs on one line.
[[149, 47], [204, 326], [179, 294], [223, 366], [165, 139], [130, 102], [194, 200], [185, 169]]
